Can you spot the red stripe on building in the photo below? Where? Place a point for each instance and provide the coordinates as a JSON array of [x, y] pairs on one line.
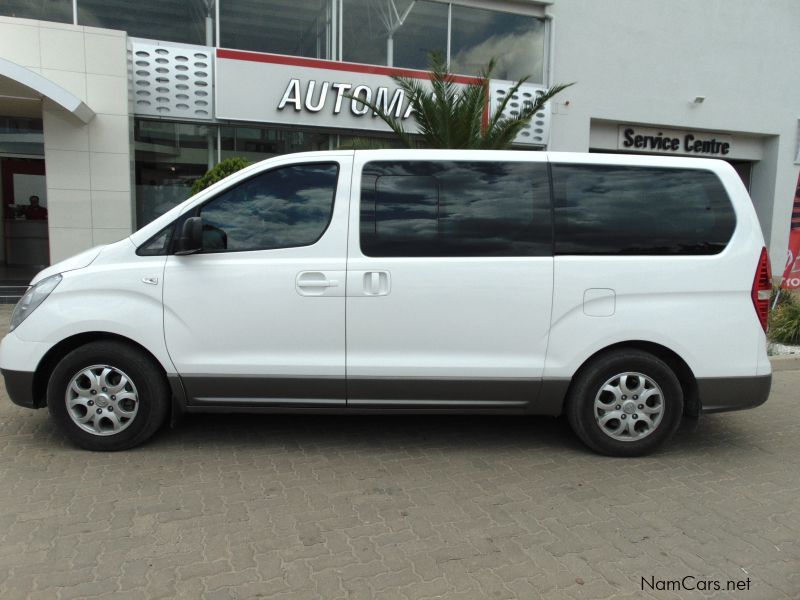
[[316, 63]]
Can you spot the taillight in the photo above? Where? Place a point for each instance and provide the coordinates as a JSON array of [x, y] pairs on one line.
[[762, 289]]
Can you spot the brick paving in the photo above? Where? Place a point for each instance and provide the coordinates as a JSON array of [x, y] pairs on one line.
[[295, 507]]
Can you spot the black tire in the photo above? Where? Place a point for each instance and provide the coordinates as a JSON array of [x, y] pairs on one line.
[[586, 387], [148, 387]]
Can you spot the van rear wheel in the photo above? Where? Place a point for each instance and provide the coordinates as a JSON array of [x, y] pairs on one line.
[[625, 403], [107, 396]]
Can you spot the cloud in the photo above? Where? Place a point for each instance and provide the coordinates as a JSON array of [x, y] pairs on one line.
[[518, 54]]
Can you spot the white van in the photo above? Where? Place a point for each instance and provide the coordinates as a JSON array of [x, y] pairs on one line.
[[623, 291]]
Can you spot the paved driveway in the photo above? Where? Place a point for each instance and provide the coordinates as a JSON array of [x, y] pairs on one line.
[[402, 507]]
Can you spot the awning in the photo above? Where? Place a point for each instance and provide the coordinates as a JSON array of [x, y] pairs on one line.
[[41, 87]]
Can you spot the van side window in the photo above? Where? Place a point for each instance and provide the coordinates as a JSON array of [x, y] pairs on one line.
[[455, 208], [609, 209], [282, 208], [158, 245]]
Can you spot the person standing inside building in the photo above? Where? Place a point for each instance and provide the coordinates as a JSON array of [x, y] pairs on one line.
[[35, 212]]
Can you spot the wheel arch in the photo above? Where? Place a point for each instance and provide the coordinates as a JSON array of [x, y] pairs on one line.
[[61, 349], [684, 373]]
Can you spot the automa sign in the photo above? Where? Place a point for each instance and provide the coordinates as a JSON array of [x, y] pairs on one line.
[[291, 90], [300, 95]]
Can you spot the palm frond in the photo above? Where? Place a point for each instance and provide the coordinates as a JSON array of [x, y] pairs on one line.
[[393, 122], [453, 115]]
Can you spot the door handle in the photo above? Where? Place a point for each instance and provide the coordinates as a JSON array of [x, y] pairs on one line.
[[376, 283], [319, 284], [315, 283]]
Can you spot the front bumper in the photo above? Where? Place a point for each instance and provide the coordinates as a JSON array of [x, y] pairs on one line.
[[19, 385], [733, 393], [18, 363]]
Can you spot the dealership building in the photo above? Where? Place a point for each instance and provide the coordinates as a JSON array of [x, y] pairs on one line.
[[110, 109]]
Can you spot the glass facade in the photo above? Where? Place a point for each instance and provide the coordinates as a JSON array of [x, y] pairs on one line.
[[21, 136], [515, 41], [169, 158], [186, 21], [374, 33], [59, 11], [294, 27], [259, 143], [399, 33], [404, 33]]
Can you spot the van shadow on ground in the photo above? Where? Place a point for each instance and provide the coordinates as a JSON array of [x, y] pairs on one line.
[[404, 432]]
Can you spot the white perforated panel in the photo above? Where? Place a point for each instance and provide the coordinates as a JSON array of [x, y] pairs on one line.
[[537, 132], [171, 80]]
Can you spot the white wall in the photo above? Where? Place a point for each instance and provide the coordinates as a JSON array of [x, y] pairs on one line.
[[642, 61], [88, 165]]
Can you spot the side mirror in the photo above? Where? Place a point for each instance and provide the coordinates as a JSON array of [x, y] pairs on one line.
[[191, 238]]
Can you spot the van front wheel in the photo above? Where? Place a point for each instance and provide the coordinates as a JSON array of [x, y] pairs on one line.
[[625, 403], [108, 396]]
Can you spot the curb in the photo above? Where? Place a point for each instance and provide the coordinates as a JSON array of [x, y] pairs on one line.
[[785, 363]]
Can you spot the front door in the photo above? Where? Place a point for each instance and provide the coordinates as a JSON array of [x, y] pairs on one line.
[[257, 317], [450, 275]]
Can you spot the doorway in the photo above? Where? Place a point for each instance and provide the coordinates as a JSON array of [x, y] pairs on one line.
[[23, 201], [745, 169]]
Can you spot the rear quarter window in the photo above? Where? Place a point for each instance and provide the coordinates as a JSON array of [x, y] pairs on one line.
[[609, 209]]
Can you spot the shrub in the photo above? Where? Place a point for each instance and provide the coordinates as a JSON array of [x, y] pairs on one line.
[[784, 321], [219, 172]]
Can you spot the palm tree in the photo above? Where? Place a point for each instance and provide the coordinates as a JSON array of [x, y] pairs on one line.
[[451, 115]]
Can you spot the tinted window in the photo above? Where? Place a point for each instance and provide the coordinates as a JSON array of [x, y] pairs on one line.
[[449, 208], [158, 244], [289, 206], [633, 210]]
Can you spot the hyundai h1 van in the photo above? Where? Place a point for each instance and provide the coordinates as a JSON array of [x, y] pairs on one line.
[[622, 291]]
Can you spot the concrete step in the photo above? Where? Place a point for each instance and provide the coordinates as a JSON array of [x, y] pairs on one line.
[[12, 291]]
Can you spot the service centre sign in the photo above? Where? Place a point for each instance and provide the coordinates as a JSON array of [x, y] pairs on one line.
[[667, 141], [290, 90]]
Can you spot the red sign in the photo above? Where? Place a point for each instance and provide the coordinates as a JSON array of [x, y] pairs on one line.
[[791, 273]]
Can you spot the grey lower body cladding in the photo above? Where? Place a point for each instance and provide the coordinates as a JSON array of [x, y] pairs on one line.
[[19, 386], [238, 394], [523, 396], [733, 393]]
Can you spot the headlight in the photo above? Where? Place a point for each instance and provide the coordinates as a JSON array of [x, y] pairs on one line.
[[33, 298]]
